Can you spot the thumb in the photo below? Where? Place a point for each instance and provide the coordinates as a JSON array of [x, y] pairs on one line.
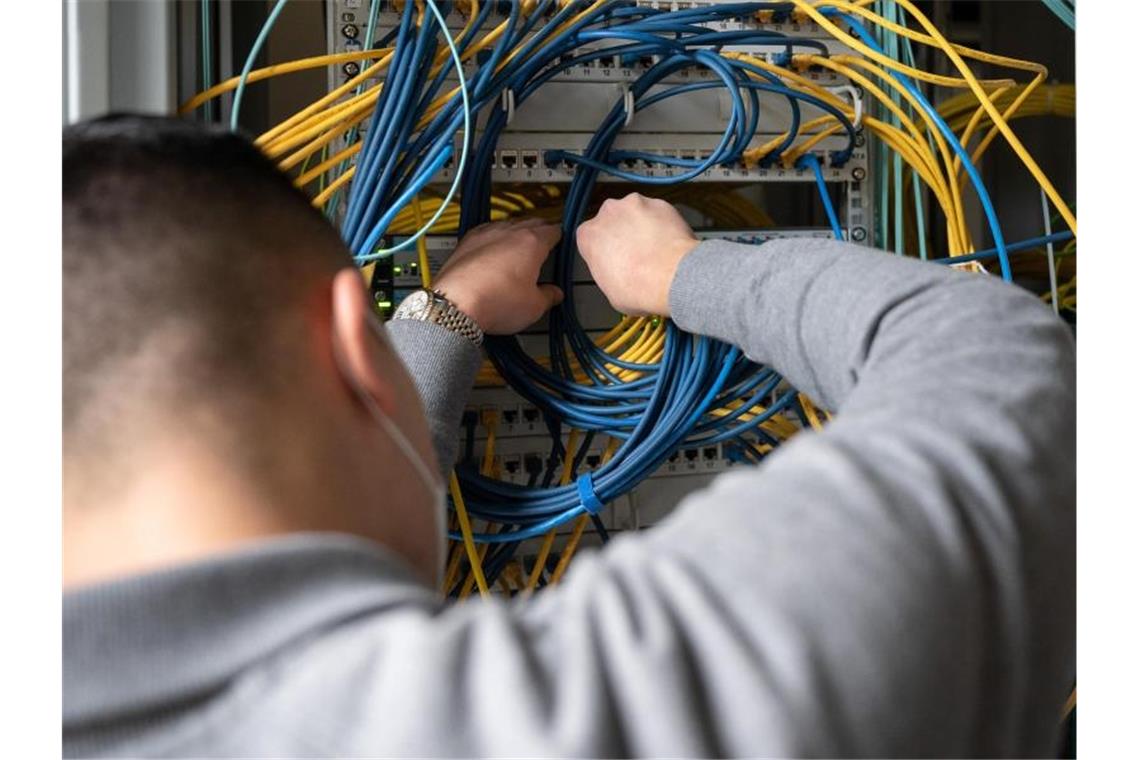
[[551, 294]]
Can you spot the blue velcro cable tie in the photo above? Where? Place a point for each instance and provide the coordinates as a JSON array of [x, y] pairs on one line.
[[587, 495]]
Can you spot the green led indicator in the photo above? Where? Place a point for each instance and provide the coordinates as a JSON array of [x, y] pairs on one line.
[[397, 270]]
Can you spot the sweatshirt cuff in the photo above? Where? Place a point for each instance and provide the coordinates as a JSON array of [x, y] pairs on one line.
[[443, 366]]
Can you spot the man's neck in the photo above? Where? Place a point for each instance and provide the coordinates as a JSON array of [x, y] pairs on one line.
[[181, 501], [175, 510]]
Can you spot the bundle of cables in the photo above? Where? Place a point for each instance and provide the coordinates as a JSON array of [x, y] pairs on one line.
[[690, 391], [646, 386]]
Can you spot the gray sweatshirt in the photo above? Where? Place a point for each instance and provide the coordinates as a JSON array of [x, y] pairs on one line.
[[901, 583]]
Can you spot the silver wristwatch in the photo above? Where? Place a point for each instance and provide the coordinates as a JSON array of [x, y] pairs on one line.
[[431, 306]]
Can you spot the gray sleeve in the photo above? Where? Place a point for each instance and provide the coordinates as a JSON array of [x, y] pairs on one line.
[[443, 365], [901, 583]]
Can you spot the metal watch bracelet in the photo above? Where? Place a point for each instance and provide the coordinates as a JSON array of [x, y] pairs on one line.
[[433, 306]]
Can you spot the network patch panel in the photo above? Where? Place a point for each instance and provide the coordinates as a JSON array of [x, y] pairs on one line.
[[683, 128], [580, 102], [517, 459], [525, 460], [535, 157], [518, 427], [594, 66], [405, 263], [348, 19], [395, 277], [567, 107], [590, 64], [522, 456], [572, 102]]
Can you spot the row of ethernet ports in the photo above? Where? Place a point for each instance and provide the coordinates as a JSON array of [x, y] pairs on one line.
[[534, 465], [514, 159]]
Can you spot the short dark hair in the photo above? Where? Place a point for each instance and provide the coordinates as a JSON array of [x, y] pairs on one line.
[[172, 227]]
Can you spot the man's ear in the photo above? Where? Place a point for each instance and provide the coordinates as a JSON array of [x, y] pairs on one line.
[[357, 343]]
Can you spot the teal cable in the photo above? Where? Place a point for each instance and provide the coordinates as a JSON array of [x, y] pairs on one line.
[[262, 36], [890, 166], [881, 158], [1066, 11], [207, 64], [897, 173], [370, 30], [919, 212], [897, 165], [919, 215], [908, 57]]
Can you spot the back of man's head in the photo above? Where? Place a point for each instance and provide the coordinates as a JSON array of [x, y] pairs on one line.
[[188, 259]]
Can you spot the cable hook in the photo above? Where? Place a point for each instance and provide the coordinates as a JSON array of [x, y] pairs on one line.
[[856, 101]]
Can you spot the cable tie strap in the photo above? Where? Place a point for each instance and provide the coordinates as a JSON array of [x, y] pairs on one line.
[[509, 104], [856, 101], [627, 102], [587, 495]]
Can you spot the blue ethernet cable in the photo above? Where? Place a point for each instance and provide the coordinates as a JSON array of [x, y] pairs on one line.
[[809, 160], [1021, 245]]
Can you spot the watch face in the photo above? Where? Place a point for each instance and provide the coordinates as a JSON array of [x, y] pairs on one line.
[[416, 305]]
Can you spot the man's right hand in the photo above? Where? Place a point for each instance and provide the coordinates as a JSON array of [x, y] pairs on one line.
[[633, 247], [493, 275]]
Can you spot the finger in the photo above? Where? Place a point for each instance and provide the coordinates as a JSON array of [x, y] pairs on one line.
[[543, 299], [547, 234], [487, 228], [582, 243], [528, 222], [582, 236], [476, 237], [552, 294]]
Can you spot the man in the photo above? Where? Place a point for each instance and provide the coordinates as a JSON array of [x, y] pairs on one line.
[[252, 533]]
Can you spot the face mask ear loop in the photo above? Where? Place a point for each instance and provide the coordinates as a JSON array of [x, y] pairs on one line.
[[430, 479]]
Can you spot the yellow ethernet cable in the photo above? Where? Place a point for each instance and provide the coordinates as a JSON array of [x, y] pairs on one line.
[[579, 525], [421, 246], [468, 540], [548, 540], [279, 69]]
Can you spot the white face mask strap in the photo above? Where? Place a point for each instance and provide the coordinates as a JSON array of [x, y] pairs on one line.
[[401, 440], [429, 478]]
